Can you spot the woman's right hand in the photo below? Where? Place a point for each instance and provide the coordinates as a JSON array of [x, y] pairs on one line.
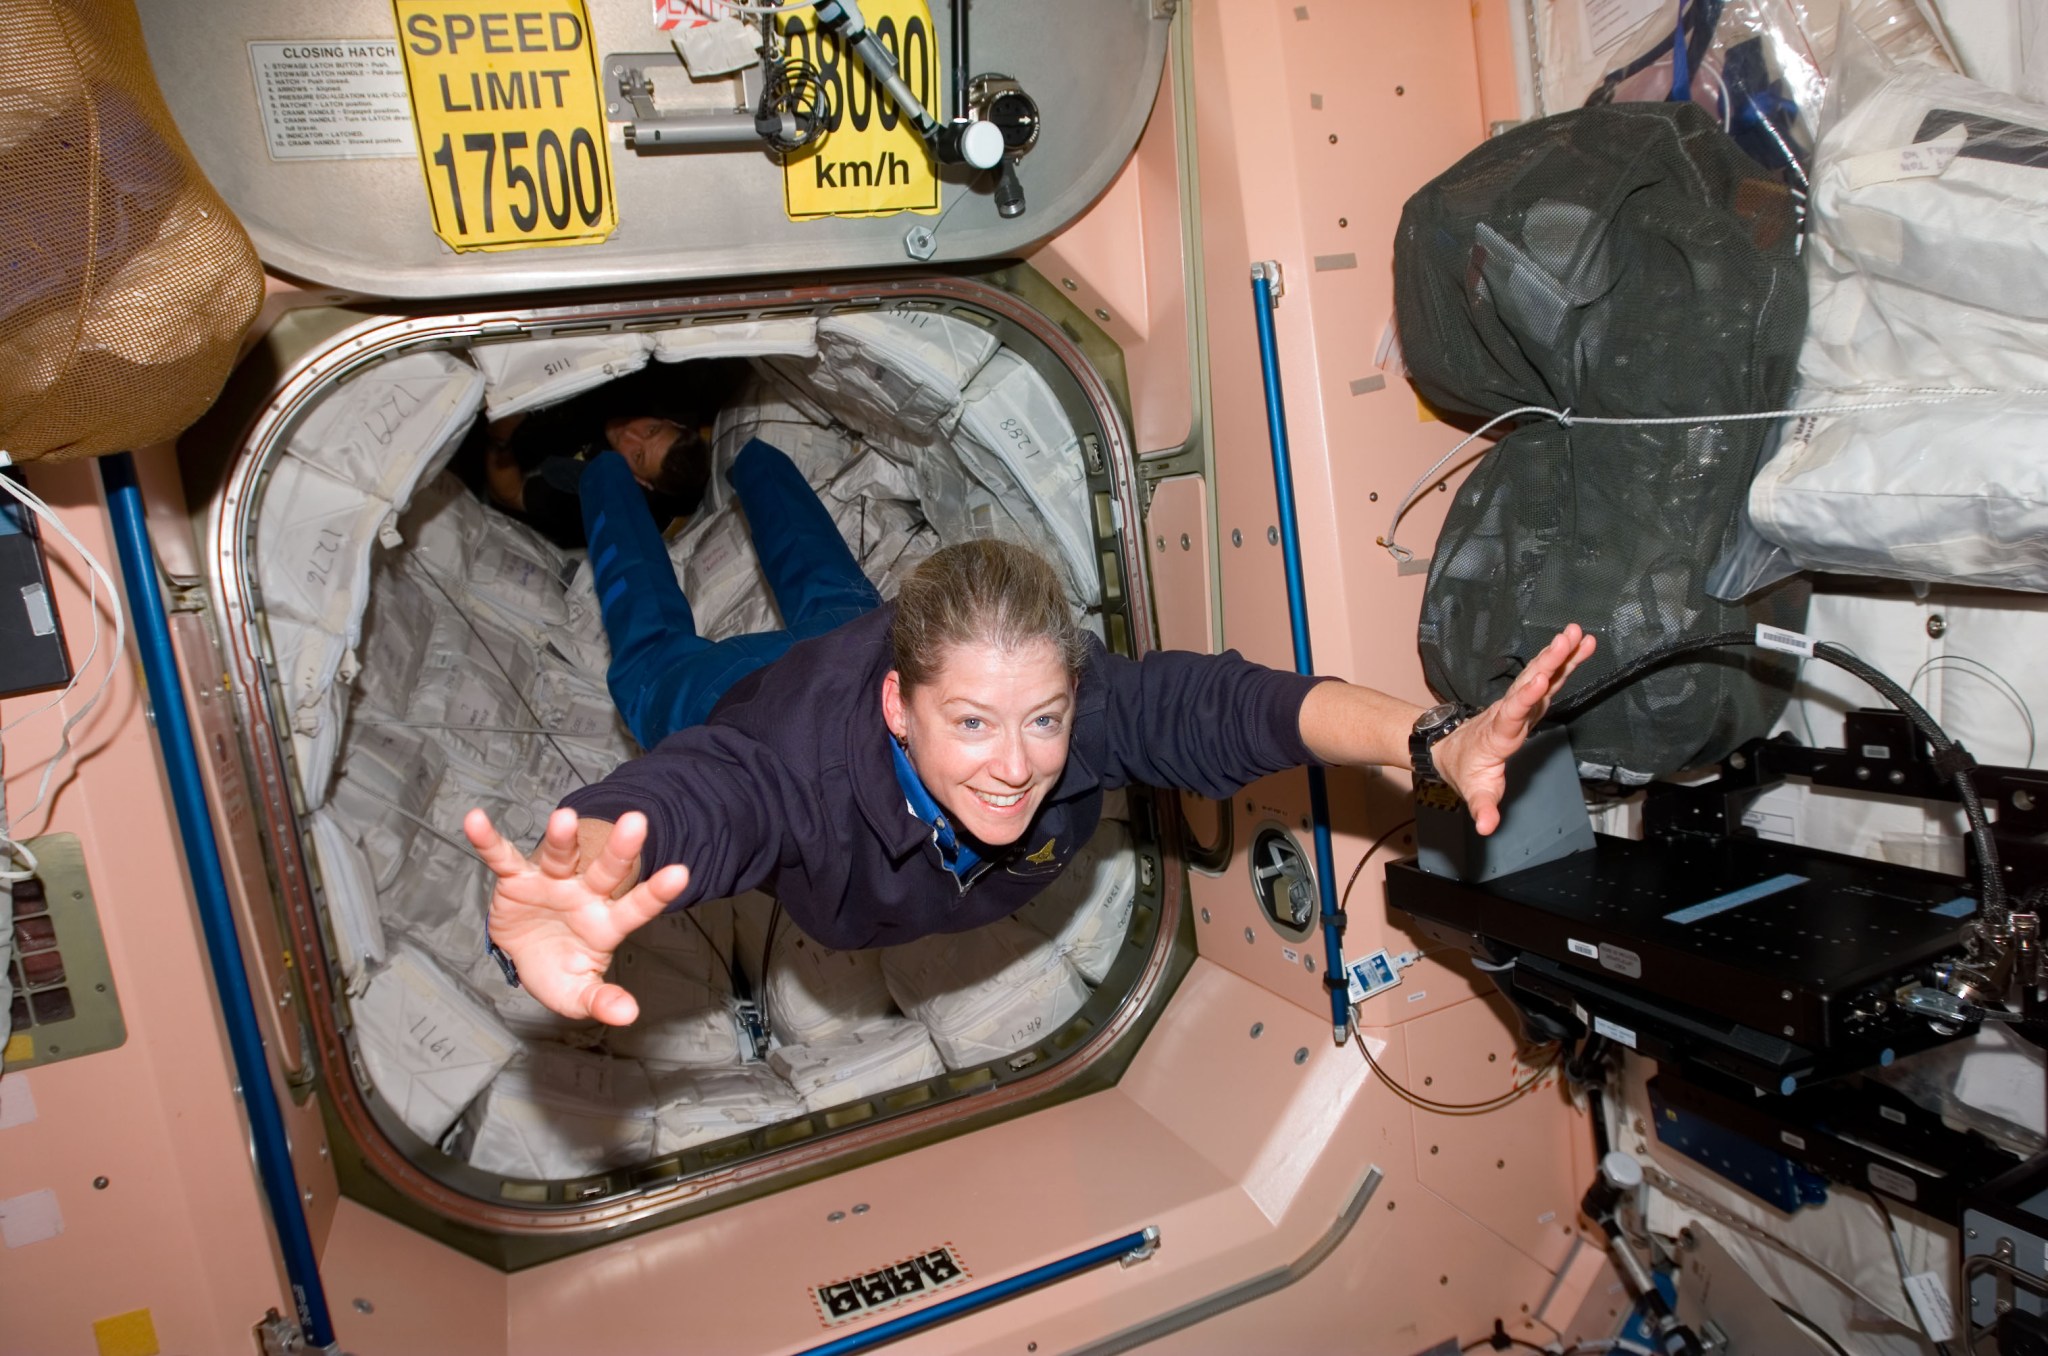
[[561, 913]]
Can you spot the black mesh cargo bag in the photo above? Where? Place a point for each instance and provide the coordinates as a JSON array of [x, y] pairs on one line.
[[1623, 261]]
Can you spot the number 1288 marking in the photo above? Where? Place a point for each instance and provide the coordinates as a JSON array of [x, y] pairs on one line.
[[558, 181]]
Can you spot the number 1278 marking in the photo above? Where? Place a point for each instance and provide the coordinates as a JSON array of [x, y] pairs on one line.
[[560, 180]]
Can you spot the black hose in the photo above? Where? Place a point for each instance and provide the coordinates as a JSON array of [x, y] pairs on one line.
[[1951, 759]]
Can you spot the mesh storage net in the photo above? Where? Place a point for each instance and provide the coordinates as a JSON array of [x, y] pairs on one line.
[[125, 283], [1626, 261]]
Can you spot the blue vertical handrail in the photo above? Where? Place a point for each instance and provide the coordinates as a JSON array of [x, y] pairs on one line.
[[1133, 1247], [1304, 660], [209, 884]]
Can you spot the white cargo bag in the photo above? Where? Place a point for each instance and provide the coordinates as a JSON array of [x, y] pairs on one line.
[[903, 371], [396, 628], [440, 896], [314, 534], [392, 426], [795, 335], [1087, 911], [684, 1021], [537, 372], [523, 1014], [986, 993], [1013, 417], [310, 662], [558, 1112], [1925, 271], [351, 895], [695, 941], [444, 525], [811, 991], [853, 1065], [429, 1046], [701, 1105], [389, 778], [515, 578]]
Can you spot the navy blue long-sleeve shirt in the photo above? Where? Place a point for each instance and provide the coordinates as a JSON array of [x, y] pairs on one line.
[[789, 786]]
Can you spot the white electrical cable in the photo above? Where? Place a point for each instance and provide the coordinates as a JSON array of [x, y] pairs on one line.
[[1727, 106], [1909, 396], [97, 574]]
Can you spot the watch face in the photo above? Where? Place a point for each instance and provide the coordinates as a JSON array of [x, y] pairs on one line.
[[1435, 716]]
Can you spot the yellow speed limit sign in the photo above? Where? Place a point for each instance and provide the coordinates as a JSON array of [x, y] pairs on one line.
[[511, 128], [871, 161]]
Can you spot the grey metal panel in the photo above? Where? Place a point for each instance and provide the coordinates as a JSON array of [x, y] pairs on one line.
[[1093, 65]]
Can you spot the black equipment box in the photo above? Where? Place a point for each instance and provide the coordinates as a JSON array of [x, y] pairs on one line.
[[32, 655], [1773, 961]]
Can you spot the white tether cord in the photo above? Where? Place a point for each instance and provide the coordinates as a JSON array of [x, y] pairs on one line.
[[97, 574], [1909, 396]]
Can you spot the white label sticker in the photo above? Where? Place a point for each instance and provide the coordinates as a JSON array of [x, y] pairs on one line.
[[1892, 1114], [1293, 956], [1893, 1182], [1579, 948], [36, 600], [1931, 1302], [1791, 1139], [1785, 642], [1877, 751], [1607, 22], [1418, 995], [17, 1103], [30, 1219], [1614, 1031], [333, 99]]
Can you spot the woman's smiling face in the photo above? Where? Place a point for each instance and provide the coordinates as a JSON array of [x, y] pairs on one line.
[[988, 734]]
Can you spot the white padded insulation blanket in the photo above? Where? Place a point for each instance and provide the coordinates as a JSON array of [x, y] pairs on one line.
[[854, 1065], [1926, 270], [812, 992], [540, 372], [986, 993], [430, 1046], [685, 1019], [557, 1112], [701, 1105], [434, 655]]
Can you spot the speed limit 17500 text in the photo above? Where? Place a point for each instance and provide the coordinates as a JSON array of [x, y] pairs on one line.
[[561, 180]]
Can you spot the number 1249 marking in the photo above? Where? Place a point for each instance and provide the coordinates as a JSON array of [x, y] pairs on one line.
[[559, 180]]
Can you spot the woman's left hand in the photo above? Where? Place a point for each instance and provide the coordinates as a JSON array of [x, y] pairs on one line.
[[1473, 758]]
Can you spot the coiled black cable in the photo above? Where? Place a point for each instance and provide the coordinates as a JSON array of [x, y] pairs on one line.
[[794, 105], [1951, 759]]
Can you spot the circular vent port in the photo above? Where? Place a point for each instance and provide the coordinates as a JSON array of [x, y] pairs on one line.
[[1284, 882]]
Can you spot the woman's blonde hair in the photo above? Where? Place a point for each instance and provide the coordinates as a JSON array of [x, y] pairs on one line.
[[982, 592]]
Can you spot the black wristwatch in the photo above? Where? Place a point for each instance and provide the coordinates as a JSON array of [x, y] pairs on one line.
[[1431, 726]]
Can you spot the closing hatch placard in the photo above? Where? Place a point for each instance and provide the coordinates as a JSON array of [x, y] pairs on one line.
[[506, 102]]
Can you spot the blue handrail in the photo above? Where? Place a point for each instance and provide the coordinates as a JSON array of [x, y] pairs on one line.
[[209, 884], [1134, 1246], [1304, 660]]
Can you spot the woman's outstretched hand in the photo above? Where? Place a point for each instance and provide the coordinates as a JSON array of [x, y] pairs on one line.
[[1473, 758], [561, 913]]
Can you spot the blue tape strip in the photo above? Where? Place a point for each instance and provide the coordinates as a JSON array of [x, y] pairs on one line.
[[1734, 899], [1962, 907]]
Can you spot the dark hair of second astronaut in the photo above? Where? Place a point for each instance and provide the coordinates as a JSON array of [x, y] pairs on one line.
[[982, 592]]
